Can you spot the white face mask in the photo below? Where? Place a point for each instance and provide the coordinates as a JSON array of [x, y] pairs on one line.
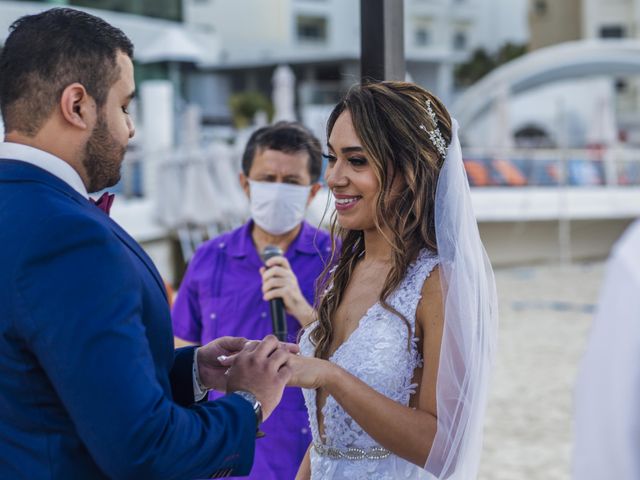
[[277, 208]]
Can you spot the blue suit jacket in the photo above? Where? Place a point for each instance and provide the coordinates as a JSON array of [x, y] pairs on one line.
[[90, 386]]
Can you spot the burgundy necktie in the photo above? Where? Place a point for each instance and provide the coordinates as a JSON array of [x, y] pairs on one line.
[[104, 202]]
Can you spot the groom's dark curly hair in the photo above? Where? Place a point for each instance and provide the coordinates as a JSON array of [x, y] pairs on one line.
[[46, 52]]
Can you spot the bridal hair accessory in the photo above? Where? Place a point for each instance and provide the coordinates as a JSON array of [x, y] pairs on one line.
[[434, 135]]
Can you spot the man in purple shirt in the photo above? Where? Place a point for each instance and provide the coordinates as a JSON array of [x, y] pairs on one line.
[[226, 289]]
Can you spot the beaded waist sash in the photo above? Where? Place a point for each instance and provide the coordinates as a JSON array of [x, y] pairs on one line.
[[353, 453]]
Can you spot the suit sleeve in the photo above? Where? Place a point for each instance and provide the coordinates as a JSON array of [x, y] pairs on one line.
[[181, 376], [80, 310]]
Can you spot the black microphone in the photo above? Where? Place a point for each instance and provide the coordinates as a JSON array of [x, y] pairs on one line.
[[278, 315]]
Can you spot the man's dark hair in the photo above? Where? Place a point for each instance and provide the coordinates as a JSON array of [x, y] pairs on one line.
[[287, 137], [45, 53]]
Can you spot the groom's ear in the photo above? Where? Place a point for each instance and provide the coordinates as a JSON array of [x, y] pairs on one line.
[[77, 107]]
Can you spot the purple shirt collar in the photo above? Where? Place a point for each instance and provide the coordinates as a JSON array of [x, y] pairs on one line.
[[241, 244]]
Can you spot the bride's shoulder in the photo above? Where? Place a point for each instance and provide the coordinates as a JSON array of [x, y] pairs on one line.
[[430, 309], [430, 287]]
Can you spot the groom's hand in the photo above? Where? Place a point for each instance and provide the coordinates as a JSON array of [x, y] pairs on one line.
[[210, 370], [260, 368], [227, 360]]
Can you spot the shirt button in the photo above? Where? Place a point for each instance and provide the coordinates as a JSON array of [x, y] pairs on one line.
[[263, 314], [221, 245], [304, 430], [212, 316]]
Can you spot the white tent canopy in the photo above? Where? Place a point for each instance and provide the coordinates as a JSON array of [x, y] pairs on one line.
[[171, 45], [155, 40]]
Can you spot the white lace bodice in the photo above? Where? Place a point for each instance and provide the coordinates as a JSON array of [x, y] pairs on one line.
[[379, 353]]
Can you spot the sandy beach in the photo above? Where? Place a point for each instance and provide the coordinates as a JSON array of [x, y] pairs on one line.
[[545, 314]]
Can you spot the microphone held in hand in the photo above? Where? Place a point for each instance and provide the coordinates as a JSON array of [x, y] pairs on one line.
[[278, 314]]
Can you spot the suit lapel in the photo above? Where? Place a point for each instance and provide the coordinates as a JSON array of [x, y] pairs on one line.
[[136, 249]]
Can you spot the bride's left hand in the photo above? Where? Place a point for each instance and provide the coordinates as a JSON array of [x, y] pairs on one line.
[[308, 372]]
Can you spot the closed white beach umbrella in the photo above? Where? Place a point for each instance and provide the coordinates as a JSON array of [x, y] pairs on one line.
[[201, 202], [284, 82], [171, 45], [603, 127], [603, 132], [170, 188], [233, 203], [501, 137], [199, 195]]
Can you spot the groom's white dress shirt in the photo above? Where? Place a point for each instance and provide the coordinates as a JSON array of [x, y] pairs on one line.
[[46, 161]]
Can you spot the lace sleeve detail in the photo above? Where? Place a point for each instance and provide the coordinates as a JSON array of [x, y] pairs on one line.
[[406, 298]]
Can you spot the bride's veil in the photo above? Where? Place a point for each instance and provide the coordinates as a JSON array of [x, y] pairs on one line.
[[470, 325]]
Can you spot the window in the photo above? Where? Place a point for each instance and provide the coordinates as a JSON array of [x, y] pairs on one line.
[[540, 7], [621, 85], [460, 41], [327, 73], [311, 29], [612, 31], [422, 36]]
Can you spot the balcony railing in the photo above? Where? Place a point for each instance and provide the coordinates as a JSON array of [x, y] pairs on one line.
[[484, 167], [552, 167]]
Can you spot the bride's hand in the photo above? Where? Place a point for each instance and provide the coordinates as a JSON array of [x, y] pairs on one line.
[[308, 372]]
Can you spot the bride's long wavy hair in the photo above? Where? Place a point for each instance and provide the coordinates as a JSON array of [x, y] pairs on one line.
[[387, 118]]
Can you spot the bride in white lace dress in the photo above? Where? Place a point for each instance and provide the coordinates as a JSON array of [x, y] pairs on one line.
[[395, 382]]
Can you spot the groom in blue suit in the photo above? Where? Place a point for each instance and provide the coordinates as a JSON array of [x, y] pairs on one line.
[[90, 386]]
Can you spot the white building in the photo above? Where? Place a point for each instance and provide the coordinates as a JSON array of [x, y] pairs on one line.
[[320, 40], [611, 18], [163, 47], [616, 19]]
